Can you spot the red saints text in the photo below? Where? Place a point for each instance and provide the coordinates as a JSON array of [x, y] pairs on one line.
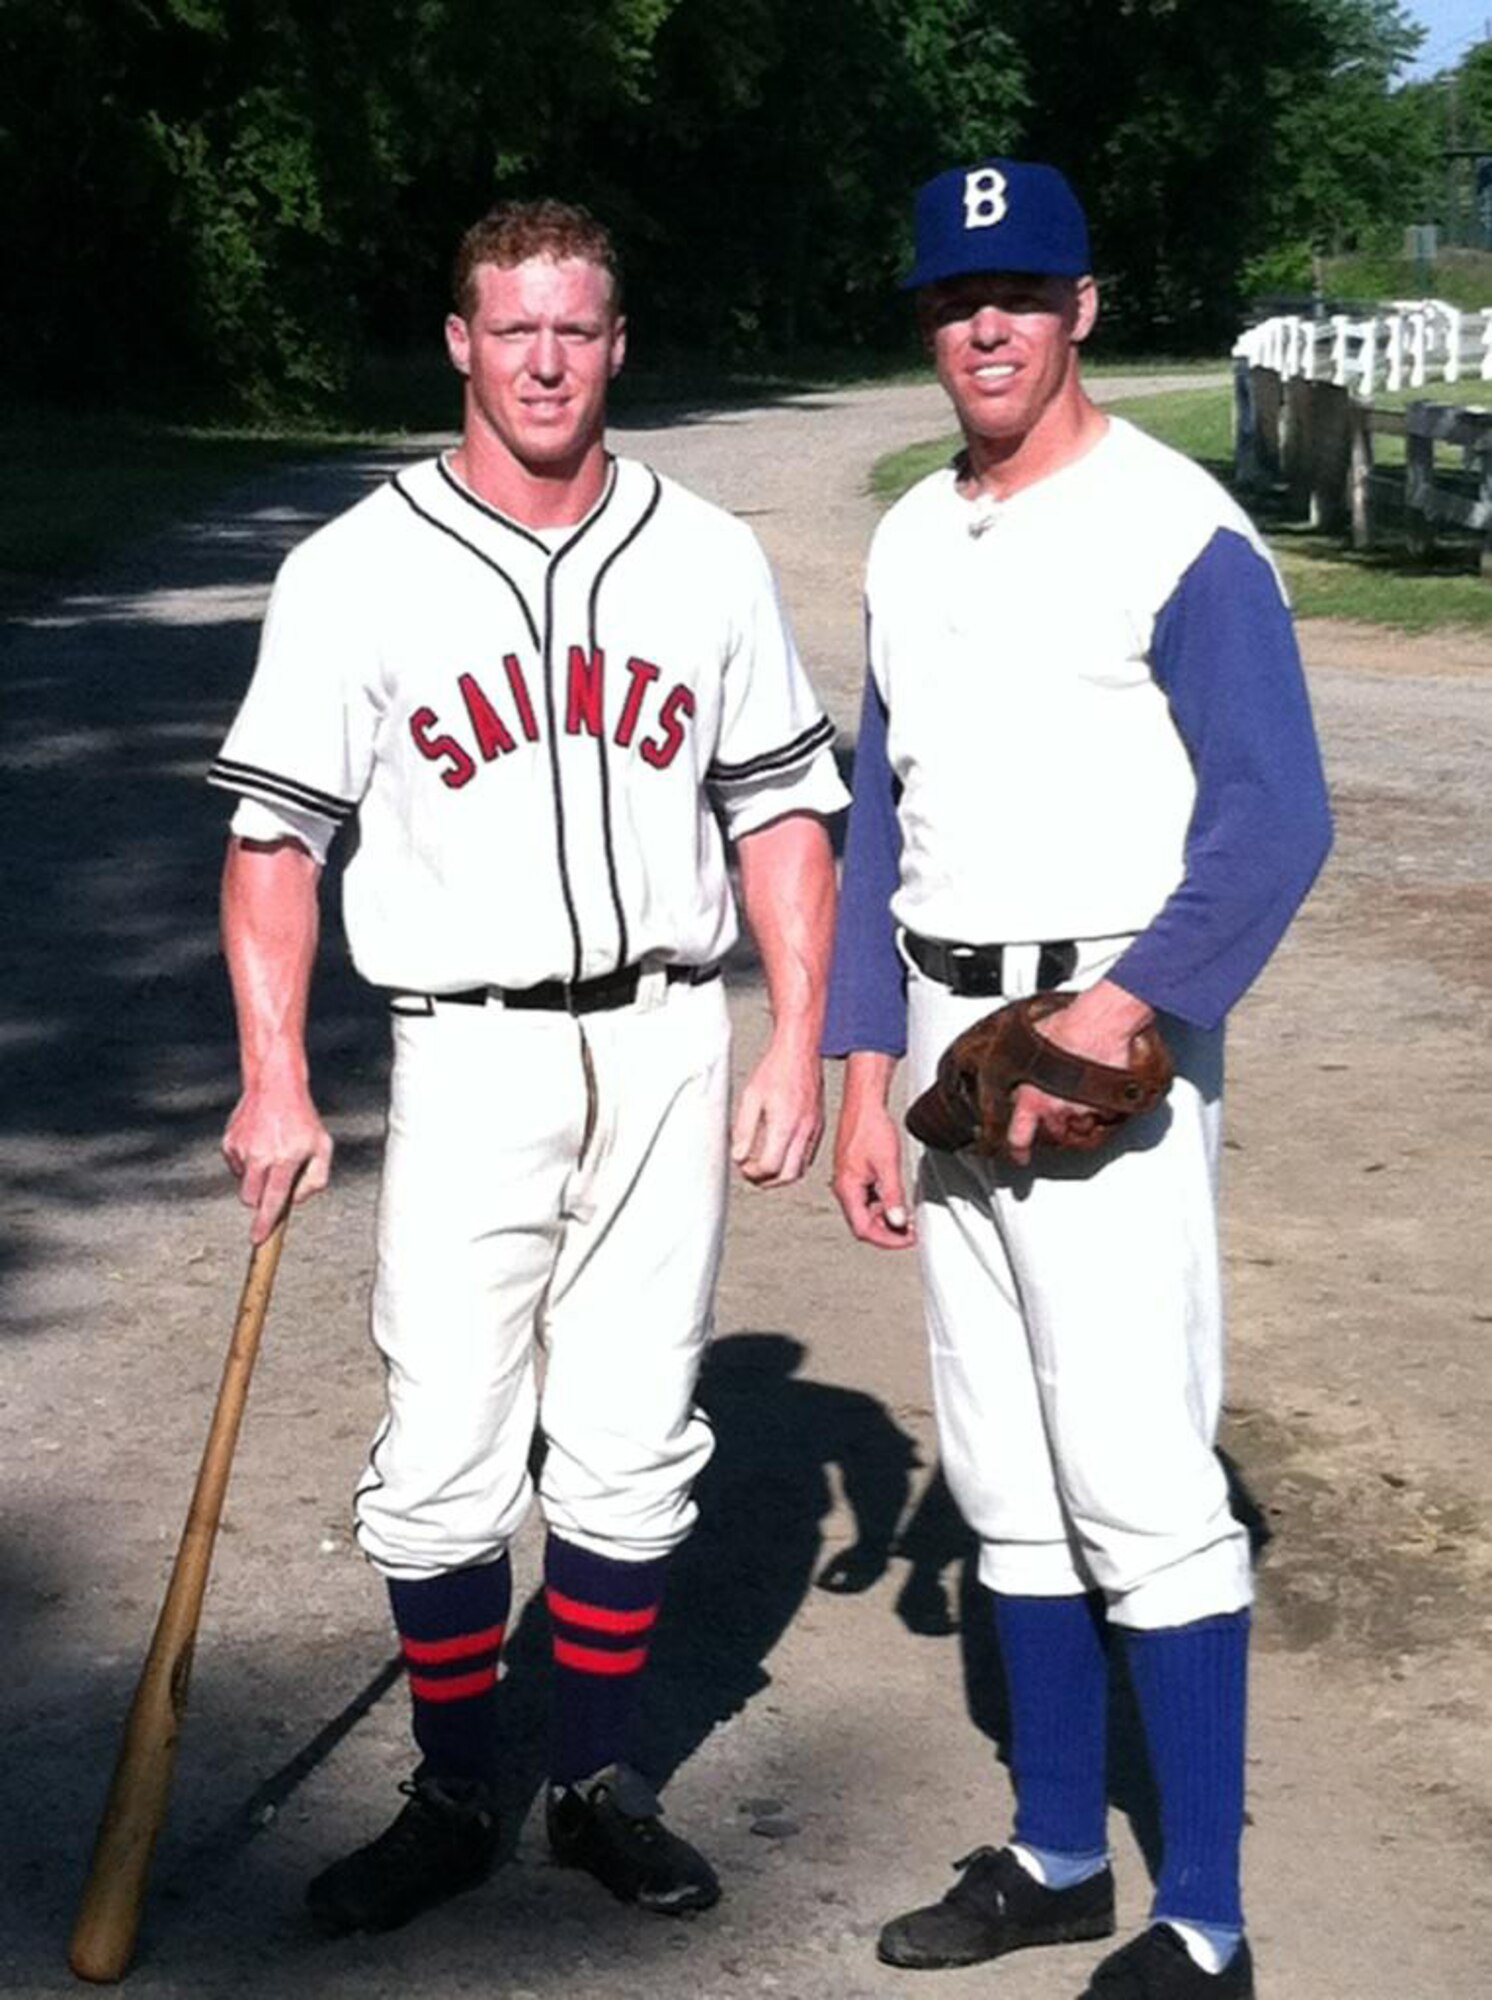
[[651, 724]]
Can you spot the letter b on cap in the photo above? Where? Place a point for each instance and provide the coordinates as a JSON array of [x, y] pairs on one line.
[[984, 198]]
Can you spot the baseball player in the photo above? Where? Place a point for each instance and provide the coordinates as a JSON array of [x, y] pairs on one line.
[[1086, 763], [541, 679]]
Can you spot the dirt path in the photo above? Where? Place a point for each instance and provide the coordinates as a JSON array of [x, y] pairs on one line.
[[821, 1742]]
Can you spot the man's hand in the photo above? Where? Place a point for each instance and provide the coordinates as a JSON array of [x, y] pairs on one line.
[[780, 1118], [1099, 1025], [278, 1147], [868, 1178]]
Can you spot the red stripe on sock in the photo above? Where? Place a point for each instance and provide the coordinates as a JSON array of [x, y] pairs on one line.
[[591, 1660], [439, 1652], [457, 1687], [596, 1618]]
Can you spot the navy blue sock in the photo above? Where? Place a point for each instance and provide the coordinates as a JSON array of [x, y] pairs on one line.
[[451, 1633], [1191, 1682], [602, 1613], [1057, 1675]]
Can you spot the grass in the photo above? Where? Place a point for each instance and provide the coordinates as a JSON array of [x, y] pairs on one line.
[[1385, 586], [79, 487]]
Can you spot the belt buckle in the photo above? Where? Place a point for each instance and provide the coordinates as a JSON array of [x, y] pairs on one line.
[[1055, 965], [972, 980]]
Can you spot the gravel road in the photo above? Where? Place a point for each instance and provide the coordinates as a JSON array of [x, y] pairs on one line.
[[834, 1751]]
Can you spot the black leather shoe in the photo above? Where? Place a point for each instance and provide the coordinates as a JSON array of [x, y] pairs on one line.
[[1157, 1966], [995, 1906], [444, 1841], [610, 1825]]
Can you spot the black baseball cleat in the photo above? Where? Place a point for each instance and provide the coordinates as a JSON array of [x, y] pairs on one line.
[[996, 1906], [610, 1825], [1157, 1966], [443, 1842]]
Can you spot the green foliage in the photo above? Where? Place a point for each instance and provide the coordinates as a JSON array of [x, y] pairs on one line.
[[1206, 133], [1460, 277], [239, 198], [1352, 151]]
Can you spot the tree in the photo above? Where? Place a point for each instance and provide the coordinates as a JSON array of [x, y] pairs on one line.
[[1194, 129]]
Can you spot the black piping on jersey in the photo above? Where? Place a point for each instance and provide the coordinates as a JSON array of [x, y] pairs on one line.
[[484, 507], [555, 784], [471, 548], [801, 748], [273, 789], [545, 645], [601, 744]]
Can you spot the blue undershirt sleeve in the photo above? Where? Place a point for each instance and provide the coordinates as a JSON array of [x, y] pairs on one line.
[[1224, 653], [867, 986]]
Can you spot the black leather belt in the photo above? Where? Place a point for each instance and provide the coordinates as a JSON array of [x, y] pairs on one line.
[[977, 971], [584, 996]]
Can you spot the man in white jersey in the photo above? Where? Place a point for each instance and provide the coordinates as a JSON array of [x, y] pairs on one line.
[[1086, 762], [541, 679]]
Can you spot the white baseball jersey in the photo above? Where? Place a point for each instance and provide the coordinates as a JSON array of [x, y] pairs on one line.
[[1046, 789], [532, 738]]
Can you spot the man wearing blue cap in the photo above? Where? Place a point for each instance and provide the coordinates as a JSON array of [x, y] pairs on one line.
[[1086, 764]]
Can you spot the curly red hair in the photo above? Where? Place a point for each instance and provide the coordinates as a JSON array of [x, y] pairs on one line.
[[517, 230]]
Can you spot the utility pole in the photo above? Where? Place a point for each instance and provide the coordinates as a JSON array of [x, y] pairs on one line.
[[1452, 181]]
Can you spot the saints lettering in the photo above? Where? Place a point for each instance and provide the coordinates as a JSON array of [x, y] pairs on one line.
[[492, 718]]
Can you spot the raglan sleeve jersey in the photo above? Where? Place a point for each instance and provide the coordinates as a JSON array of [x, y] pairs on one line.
[[542, 736], [1089, 720]]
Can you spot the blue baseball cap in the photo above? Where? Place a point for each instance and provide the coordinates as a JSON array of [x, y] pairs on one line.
[[1002, 215]]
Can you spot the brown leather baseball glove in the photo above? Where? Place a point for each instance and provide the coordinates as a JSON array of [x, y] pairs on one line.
[[981, 1070]]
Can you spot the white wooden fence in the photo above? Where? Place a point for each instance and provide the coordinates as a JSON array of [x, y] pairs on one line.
[[1406, 346], [1304, 415]]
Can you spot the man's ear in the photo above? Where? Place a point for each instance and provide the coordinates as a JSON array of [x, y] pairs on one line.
[[458, 343], [618, 345], [1085, 309]]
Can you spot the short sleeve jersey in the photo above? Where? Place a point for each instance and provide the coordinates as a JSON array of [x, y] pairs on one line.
[[544, 748]]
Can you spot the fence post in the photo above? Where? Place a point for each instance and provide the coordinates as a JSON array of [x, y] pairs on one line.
[[1295, 441], [1419, 478], [1419, 348], [1394, 341], [1264, 384], [1329, 438], [1360, 421], [1245, 429], [1368, 375]]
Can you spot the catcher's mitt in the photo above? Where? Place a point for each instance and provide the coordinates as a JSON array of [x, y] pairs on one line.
[[981, 1070]]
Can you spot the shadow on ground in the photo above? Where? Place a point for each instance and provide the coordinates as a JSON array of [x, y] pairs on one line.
[[115, 1026], [259, 1729], [117, 1055], [249, 1821]]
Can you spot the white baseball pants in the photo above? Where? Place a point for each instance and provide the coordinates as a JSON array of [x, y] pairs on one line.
[[550, 1183], [1075, 1320]]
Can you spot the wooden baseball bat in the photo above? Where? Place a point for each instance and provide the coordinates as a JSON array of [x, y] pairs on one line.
[[103, 1939]]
